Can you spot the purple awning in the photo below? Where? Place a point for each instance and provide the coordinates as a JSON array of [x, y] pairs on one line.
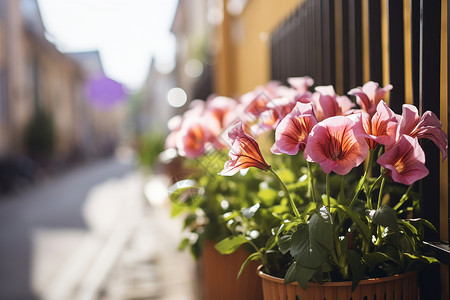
[[103, 92]]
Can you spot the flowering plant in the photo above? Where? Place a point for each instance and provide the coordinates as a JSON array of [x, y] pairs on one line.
[[336, 202], [199, 193], [339, 227]]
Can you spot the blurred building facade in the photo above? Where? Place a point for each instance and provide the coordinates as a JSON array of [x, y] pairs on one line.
[[194, 46], [153, 111], [36, 77]]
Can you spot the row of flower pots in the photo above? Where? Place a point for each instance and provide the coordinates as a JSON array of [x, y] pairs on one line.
[[220, 282], [331, 215]]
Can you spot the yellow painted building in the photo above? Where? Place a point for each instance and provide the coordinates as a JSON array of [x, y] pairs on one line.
[[243, 58]]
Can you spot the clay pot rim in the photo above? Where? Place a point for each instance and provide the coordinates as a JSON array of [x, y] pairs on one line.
[[337, 283]]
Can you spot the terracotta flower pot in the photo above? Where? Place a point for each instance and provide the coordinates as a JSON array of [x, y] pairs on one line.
[[402, 287], [219, 274]]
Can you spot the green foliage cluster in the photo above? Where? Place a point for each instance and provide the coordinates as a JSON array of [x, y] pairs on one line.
[[40, 136], [346, 229], [150, 146]]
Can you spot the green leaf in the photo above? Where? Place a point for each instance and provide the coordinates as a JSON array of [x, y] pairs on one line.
[[286, 175], [356, 266], [268, 196], [303, 275], [189, 220], [375, 258], [284, 243], [271, 242], [177, 210], [309, 208], [386, 217], [321, 229], [252, 257], [185, 193], [230, 244], [290, 273], [307, 252], [356, 218], [248, 213], [183, 244], [414, 262], [424, 222]]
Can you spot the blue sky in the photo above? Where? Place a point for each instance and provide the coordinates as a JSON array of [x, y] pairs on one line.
[[126, 32]]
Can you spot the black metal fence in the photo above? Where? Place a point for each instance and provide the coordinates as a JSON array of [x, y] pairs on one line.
[[343, 43]]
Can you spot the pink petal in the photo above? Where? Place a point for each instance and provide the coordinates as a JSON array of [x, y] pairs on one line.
[[244, 152], [369, 95], [410, 118], [191, 139], [337, 144], [405, 160], [301, 84], [428, 126], [384, 125], [292, 132]]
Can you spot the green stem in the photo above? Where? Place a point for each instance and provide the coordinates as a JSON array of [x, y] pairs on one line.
[[311, 182], [403, 199], [327, 184], [341, 196], [380, 195], [253, 245], [288, 195], [363, 179]]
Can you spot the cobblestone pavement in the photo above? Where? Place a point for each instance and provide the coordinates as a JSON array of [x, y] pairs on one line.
[[150, 266]]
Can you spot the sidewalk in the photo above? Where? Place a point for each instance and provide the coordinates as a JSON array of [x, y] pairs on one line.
[[149, 265]]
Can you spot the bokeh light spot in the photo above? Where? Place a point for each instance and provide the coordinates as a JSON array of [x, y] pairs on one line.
[[176, 97]]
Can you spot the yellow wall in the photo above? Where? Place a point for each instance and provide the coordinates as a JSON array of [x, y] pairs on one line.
[[248, 39]]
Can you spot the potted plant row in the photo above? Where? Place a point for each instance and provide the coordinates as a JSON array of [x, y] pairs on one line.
[[319, 189]]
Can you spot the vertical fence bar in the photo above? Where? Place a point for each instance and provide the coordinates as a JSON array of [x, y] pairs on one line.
[[296, 34], [328, 61], [309, 22], [396, 54], [346, 58], [355, 43], [375, 41], [448, 109], [429, 99], [339, 46], [415, 49], [318, 72]]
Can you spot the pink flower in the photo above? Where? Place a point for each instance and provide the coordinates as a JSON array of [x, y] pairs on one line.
[[291, 134], [254, 102], [301, 84], [328, 104], [174, 125], [191, 139], [244, 152], [381, 127], [277, 109], [269, 119], [428, 126], [369, 95], [220, 113], [337, 144], [405, 161]]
